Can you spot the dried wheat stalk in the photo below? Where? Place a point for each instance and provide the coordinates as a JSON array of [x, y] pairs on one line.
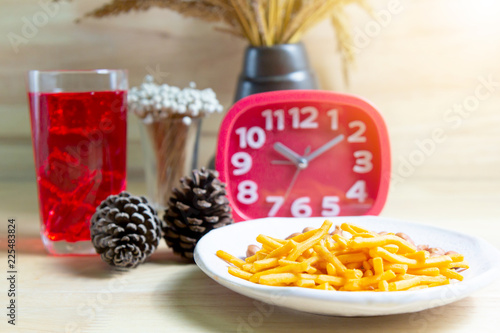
[[261, 22]]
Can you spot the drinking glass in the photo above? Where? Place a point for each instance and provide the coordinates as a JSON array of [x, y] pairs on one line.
[[79, 130]]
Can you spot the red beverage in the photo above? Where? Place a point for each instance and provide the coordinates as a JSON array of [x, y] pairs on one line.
[[79, 140]]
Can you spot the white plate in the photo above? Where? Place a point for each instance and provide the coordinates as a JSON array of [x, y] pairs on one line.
[[484, 260]]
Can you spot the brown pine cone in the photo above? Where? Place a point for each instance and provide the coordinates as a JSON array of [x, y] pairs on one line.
[[125, 230], [198, 206]]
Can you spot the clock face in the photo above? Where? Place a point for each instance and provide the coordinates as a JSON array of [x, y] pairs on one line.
[[303, 153]]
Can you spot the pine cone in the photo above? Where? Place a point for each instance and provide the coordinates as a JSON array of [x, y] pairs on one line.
[[125, 230], [197, 207]]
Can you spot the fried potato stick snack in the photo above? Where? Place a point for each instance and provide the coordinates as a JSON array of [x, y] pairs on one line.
[[367, 261]]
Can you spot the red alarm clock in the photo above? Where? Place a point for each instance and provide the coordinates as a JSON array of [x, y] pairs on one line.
[[301, 153]]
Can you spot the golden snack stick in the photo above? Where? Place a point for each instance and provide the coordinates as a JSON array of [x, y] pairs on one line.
[[267, 249], [366, 281], [260, 265], [335, 281], [436, 284], [353, 285], [456, 257], [284, 262], [305, 283], [330, 243], [330, 269], [383, 285], [307, 276], [308, 253], [378, 265], [335, 248], [451, 274], [251, 259], [368, 273], [406, 276], [283, 250], [235, 271], [311, 241], [432, 271], [352, 257], [342, 241], [420, 256], [298, 267], [269, 242], [432, 279], [331, 258], [325, 286], [277, 279], [392, 248], [353, 274], [248, 268], [354, 229], [396, 268], [392, 257], [347, 251], [461, 264], [302, 237], [404, 284], [237, 262], [262, 255], [313, 260], [311, 270], [404, 246], [281, 241], [321, 265], [354, 265], [439, 261], [230, 258], [366, 235]]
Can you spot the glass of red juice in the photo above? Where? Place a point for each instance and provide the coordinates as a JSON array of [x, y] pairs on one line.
[[79, 132]]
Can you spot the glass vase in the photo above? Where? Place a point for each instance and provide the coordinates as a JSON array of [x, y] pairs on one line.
[[170, 148]]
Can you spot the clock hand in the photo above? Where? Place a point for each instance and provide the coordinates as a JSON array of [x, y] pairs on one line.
[[298, 160], [281, 162], [292, 182], [307, 151], [324, 148], [296, 174]]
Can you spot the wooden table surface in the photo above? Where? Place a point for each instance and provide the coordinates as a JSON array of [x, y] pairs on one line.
[[166, 294]]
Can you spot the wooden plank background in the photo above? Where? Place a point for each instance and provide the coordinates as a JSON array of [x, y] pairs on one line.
[[416, 65]]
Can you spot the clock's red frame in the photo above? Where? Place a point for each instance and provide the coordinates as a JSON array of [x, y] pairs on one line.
[[313, 96]]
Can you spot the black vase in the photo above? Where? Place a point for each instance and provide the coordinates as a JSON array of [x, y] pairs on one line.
[[279, 67]]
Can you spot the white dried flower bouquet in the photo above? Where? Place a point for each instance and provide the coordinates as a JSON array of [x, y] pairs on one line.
[[152, 102]]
